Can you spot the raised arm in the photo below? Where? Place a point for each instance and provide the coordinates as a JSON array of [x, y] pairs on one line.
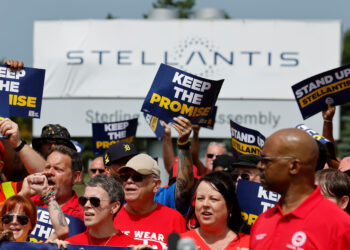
[[184, 175], [195, 151], [31, 159], [167, 147], [327, 116], [36, 184]]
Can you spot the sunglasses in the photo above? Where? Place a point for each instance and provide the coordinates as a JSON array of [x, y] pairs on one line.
[[21, 218], [136, 177], [101, 171], [211, 155], [93, 201], [244, 176]]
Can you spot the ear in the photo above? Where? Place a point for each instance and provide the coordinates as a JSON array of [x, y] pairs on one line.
[[343, 202], [157, 183], [115, 207], [76, 176], [294, 166], [108, 171]]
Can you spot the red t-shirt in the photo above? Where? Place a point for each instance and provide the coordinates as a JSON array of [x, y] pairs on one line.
[[72, 207], [239, 242], [316, 223], [117, 240], [152, 228]]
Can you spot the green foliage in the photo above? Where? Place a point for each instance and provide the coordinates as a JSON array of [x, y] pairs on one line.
[[110, 16], [184, 7], [346, 49]]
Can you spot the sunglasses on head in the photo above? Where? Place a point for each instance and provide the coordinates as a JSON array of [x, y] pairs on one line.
[[211, 155], [101, 171], [21, 218], [244, 176], [136, 177], [93, 201]]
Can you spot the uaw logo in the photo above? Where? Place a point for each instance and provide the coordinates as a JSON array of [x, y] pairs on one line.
[[298, 240], [106, 158]]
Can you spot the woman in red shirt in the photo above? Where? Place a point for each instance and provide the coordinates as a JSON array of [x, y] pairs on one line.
[[215, 220]]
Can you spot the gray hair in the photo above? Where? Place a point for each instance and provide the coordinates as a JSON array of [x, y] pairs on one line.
[[113, 187], [220, 144]]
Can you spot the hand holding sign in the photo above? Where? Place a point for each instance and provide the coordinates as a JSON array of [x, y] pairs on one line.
[[328, 113], [10, 129], [14, 65], [184, 127]]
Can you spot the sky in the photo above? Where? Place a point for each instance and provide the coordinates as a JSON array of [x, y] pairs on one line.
[[18, 16]]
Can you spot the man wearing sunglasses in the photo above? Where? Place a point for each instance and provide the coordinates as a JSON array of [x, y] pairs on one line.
[[141, 217], [97, 167], [246, 168], [302, 218]]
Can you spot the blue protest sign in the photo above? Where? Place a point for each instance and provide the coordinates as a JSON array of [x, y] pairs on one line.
[[254, 199], [4, 109], [210, 120], [327, 143], [44, 229], [24, 89], [177, 93], [106, 134], [246, 140], [44, 246], [314, 94], [155, 125]]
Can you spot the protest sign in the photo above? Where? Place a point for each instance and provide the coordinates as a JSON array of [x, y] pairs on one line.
[[24, 89], [177, 93], [254, 200], [45, 246], [327, 143], [210, 121], [44, 229], [106, 134], [155, 125], [4, 109], [314, 94], [246, 140]]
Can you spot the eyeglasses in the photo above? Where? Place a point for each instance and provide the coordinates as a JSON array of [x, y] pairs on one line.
[[136, 177], [93, 201], [244, 176], [211, 155], [266, 159], [21, 218], [101, 171]]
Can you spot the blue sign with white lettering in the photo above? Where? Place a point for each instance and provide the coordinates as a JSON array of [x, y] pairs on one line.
[[246, 140], [253, 200], [314, 94], [24, 89], [177, 93], [44, 229], [106, 134]]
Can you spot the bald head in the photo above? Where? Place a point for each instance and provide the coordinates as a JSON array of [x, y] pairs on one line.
[[297, 143], [290, 159]]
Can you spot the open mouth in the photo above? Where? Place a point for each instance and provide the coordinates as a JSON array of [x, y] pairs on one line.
[[51, 183]]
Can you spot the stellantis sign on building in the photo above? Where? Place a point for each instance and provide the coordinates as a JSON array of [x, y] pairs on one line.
[[101, 70]]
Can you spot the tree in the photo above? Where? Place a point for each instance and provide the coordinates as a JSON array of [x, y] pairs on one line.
[[184, 7]]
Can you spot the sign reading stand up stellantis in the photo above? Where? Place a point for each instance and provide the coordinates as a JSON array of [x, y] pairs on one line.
[[24, 89], [314, 94], [177, 93], [246, 140]]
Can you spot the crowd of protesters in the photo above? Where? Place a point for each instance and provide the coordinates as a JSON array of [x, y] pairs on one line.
[[125, 204]]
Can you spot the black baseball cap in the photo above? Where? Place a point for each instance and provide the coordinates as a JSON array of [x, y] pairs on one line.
[[118, 151], [246, 161]]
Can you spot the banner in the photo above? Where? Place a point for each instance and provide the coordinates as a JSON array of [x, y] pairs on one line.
[[327, 143], [24, 89], [254, 200], [177, 93], [44, 246], [44, 229], [246, 140], [314, 94], [106, 134], [155, 125], [260, 58], [210, 121], [4, 109]]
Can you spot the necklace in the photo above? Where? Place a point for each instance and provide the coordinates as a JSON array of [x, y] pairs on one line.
[[90, 241]]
